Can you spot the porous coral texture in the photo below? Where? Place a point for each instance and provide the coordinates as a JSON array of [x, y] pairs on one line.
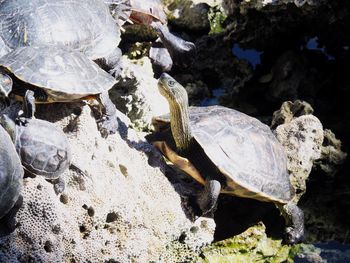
[[121, 209]]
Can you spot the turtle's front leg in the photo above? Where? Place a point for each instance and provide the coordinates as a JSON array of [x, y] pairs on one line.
[[207, 200], [294, 218], [108, 124]]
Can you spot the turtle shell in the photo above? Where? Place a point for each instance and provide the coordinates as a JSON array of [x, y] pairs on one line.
[[11, 173], [66, 75], [43, 148], [244, 150], [147, 11], [85, 26]]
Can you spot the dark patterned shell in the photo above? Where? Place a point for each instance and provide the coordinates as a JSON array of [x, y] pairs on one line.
[[43, 148], [146, 11], [66, 75], [245, 151], [11, 173], [85, 26]]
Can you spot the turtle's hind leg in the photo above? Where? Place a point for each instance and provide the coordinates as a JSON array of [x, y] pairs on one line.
[[113, 63], [294, 218], [207, 200], [108, 124]]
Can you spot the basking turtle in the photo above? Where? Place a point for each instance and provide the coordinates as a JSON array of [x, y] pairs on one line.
[[228, 152], [42, 147], [151, 13], [86, 26], [11, 174], [58, 75]]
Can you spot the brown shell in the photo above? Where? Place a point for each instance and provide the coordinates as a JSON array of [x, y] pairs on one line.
[[244, 150], [147, 11]]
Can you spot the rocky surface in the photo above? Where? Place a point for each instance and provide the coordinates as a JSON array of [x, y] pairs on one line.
[[251, 246], [302, 139], [332, 156], [121, 209], [137, 95]]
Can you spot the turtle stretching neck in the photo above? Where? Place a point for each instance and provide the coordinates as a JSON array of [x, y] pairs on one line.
[[180, 128]]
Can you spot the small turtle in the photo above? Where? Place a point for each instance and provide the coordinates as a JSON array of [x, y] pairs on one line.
[[43, 148], [151, 13], [58, 75], [228, 152], [86, 26], [11, 174]]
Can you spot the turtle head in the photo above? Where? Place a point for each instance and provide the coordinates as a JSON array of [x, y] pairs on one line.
[[178, 105], [9, 125], [5, 84], [173, 91]]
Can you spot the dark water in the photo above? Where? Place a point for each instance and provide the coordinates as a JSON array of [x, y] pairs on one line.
[[214, 100], [251, 55], [313, 44]]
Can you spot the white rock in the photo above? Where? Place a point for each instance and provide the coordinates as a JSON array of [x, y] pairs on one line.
[[137, 94], [122, 209], [302, 139]]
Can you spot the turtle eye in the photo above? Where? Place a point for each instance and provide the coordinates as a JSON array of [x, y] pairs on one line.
[[171, 83]]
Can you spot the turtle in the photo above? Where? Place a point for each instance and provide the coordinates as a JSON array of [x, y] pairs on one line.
[[11, 174], [85, 26], [58, 74], [226, 151], [43, 148], [175, 49]]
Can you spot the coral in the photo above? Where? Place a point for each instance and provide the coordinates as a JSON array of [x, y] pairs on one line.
[[290, 110], [120, 209], [332, 156], [137, 93], [302, 139], [251, 246]]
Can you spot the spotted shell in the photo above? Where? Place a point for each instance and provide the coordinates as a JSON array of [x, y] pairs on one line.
[[43, 148]]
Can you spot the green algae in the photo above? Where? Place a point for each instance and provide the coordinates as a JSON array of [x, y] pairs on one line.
[[216, 19], [251, 246]]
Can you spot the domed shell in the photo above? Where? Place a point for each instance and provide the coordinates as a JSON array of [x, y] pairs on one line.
[[85, 26], [65, 74], [11, 173], [43, 148], [244, 150]]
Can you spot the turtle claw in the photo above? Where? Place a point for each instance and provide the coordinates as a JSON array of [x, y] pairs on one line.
[[108, 125], [207, 201], [293, 236]]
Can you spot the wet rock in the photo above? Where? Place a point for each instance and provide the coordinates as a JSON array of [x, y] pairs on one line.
[[136, 94], [197, 91], [109, 217], [287, 74], [332, 156], [302, 139], [307, 253], [251, 246], [290, 110], [189, 15], [231, 6], [321, 252]]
